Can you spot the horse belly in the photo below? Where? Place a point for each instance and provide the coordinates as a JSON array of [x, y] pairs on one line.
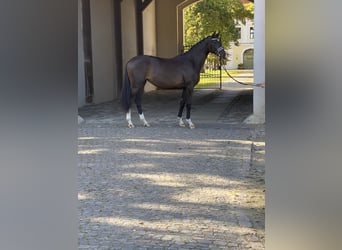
[[167, 79]]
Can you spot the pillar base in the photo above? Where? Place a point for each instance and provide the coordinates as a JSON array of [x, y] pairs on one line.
[[80, 120], [255, 119]]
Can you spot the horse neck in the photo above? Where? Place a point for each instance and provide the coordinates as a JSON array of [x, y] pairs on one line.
[[198, 55]]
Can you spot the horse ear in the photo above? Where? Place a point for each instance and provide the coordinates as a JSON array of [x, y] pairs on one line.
[[217, 35], [214, 34]]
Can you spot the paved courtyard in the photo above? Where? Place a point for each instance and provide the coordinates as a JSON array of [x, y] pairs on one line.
[[166, 187]]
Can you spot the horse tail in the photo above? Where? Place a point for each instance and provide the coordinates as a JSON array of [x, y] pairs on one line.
[[126, 93]]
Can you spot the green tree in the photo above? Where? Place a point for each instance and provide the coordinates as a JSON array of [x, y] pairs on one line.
[[203, 18]]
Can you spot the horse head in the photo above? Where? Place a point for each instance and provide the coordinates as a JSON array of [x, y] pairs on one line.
[[215, 45]]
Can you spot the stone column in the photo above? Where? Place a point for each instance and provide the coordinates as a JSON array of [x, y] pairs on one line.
[[129, 34], [150, 36], [258, 115], [102, 28], [81, 78]]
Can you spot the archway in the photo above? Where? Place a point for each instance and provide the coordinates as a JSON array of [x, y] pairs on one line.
[[248, 57], [180, 22]]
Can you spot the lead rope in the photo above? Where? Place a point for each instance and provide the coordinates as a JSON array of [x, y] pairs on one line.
[[260, 85]]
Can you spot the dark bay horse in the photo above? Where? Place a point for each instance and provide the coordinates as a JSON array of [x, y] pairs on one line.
[[179, 72]]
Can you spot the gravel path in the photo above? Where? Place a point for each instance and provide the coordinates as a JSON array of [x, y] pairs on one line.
[[167, 187]]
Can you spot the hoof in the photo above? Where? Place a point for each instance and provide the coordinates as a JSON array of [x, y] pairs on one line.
[[145, 123], [191, 125], [130, 125]]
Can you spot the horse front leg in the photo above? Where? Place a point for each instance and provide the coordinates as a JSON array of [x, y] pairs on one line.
[[180, 111], [143, 120], [189, 93], [188, 119]]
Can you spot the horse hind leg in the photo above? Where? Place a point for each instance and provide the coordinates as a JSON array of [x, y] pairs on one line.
[[180, 122], [129, 119], [139, 108]]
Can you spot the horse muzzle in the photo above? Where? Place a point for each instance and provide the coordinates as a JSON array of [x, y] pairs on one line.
[[220, 52]]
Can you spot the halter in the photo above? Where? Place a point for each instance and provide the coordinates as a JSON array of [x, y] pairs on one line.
[[219, 49]]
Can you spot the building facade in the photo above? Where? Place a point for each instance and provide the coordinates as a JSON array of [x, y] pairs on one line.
[[241, 55]]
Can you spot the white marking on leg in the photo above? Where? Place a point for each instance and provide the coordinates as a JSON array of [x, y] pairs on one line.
[[180, 122], [129, 119], [142, 119], [191, 125]]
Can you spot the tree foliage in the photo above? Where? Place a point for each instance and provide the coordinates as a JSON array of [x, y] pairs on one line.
[[203, 18]]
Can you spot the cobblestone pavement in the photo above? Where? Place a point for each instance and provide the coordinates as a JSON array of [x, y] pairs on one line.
[[166, 187]]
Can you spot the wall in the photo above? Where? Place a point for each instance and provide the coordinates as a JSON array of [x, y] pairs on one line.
[[103, 49], [128, 27], [149, 19], [166, 18]]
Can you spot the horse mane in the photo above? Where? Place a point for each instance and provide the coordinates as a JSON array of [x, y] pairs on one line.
[[194, 47]]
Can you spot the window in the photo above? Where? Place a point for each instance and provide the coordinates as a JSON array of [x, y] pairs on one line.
[[239, 32], [251, 32]]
